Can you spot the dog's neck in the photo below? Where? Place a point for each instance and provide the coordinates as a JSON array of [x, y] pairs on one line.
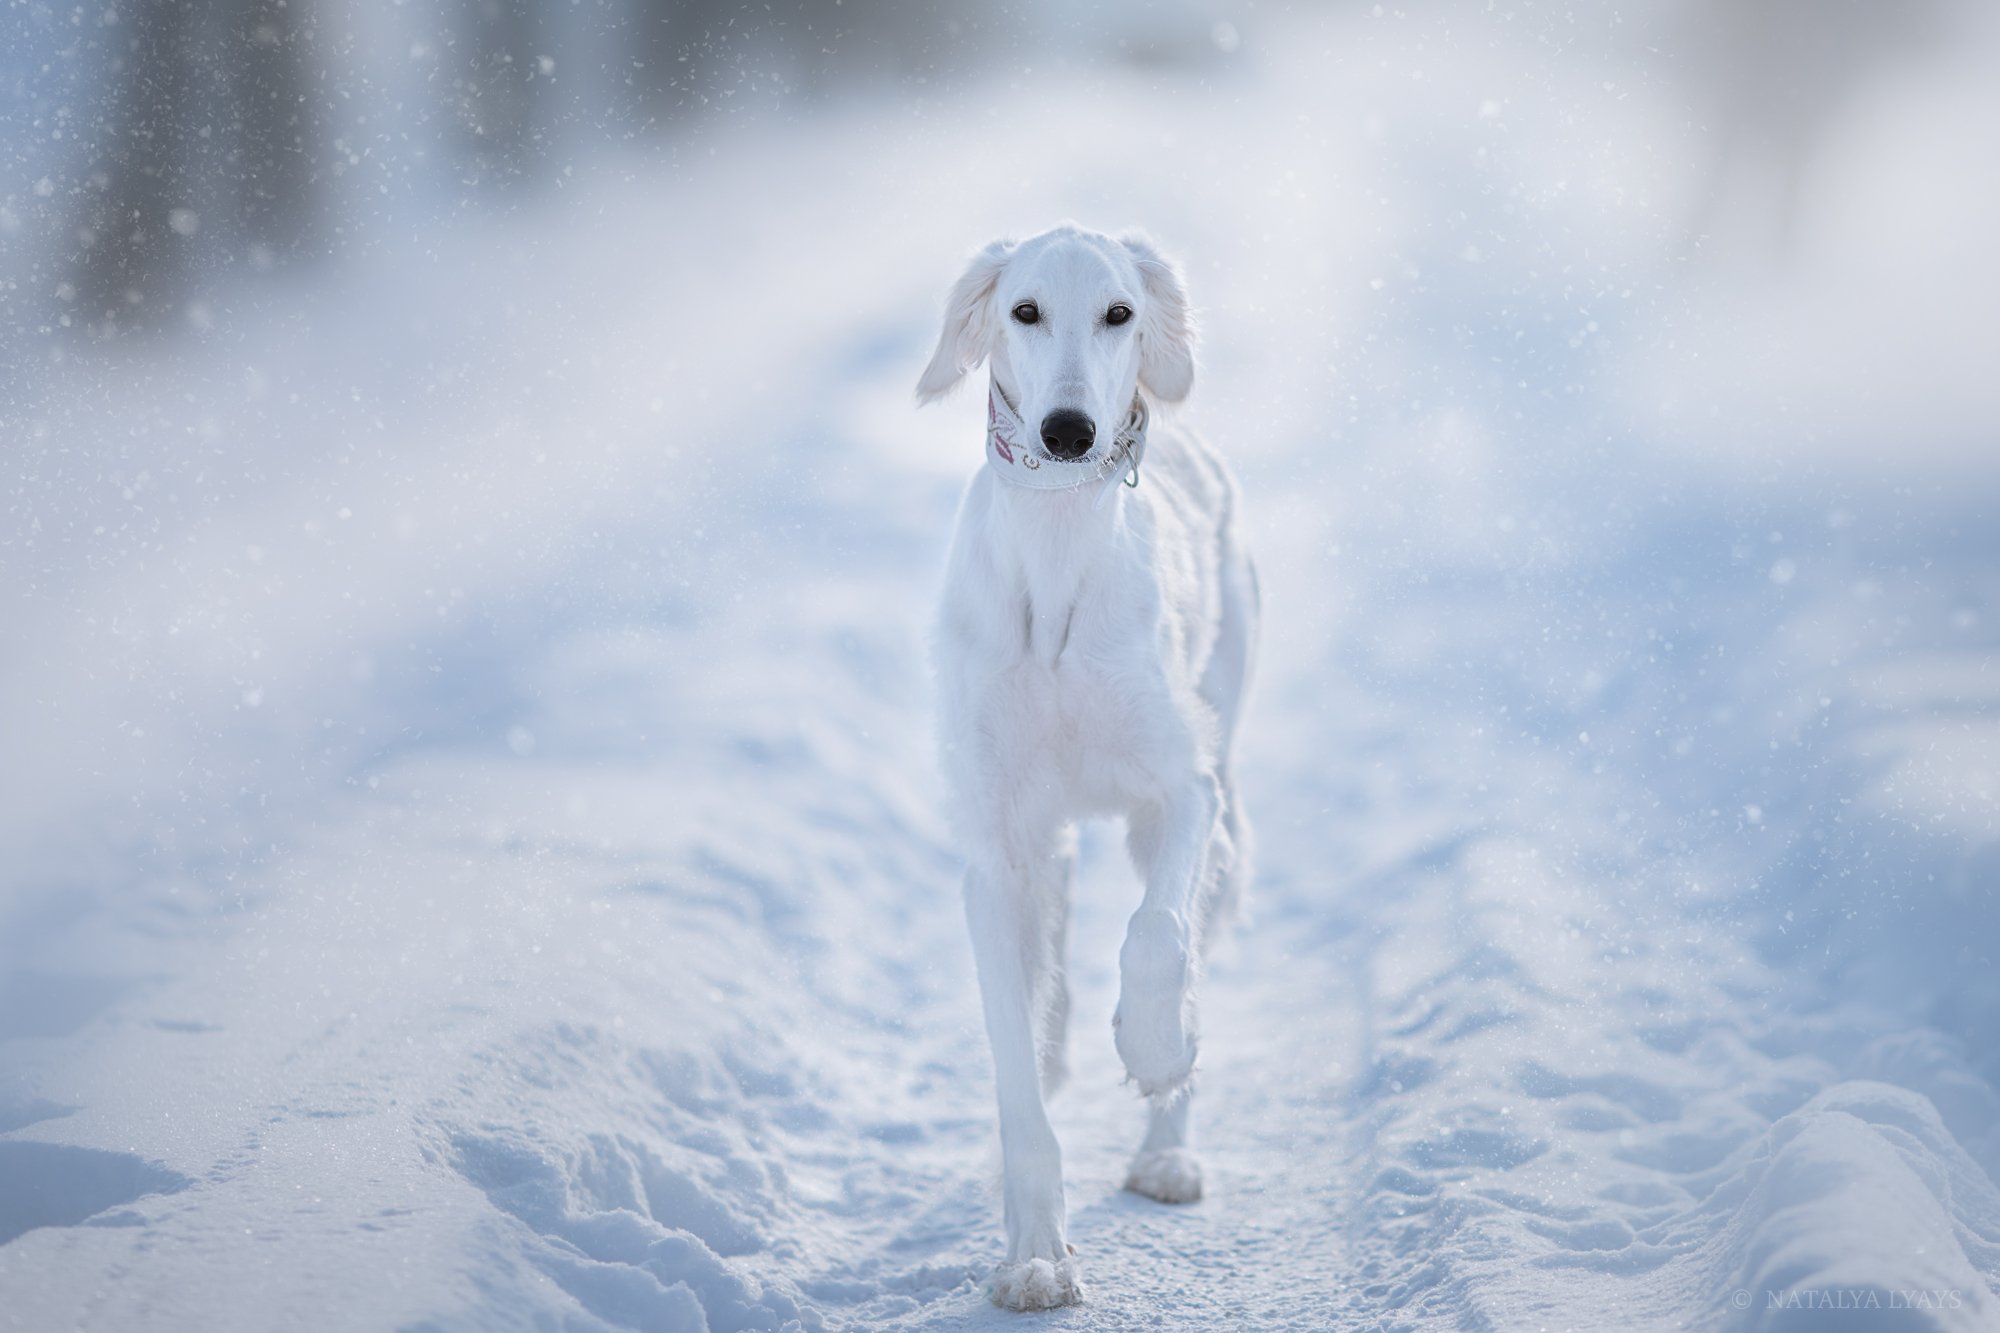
[[1054, 519]]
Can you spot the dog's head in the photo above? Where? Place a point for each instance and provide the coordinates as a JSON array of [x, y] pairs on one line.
[[1074, 323]]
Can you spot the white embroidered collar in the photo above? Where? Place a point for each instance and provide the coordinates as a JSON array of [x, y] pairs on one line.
[[1014, 452]]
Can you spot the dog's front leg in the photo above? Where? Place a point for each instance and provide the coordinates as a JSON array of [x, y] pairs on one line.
[[1155, 1016], [1010, 945]]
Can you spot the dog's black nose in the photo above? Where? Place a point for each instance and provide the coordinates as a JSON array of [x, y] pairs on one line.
[[1067, 433]]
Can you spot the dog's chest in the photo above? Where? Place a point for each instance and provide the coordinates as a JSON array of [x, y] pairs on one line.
[[1064, 668], [1086, 698]]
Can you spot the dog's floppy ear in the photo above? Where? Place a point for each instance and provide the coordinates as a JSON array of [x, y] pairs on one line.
[[968, 323], [1166, 330]]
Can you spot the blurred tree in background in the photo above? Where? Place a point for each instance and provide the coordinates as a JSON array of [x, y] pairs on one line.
[[273, 129], [499, 99], [207, 105], [1770, 78], [140, 165]]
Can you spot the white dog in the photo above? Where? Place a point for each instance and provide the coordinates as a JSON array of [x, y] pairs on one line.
[[1093, 650]]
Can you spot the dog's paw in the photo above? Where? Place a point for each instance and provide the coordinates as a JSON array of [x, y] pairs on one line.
[[1171, 1176], [1153, 1033], [1037, 1284]]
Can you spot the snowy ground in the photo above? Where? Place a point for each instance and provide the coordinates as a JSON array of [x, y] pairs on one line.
[[473, 859]]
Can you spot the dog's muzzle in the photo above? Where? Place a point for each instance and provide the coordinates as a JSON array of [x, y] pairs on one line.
[[1025, 461]]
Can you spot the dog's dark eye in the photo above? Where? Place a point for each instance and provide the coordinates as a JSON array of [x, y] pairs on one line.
[[1118, 314], [1026, 312]]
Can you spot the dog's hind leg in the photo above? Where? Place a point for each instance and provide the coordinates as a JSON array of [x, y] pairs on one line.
[[1010, 939]]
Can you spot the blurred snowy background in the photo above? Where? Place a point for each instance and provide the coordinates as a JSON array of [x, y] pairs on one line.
[[469, 856]]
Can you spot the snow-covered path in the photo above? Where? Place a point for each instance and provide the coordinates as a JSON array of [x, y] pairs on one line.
[[473, 855]]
